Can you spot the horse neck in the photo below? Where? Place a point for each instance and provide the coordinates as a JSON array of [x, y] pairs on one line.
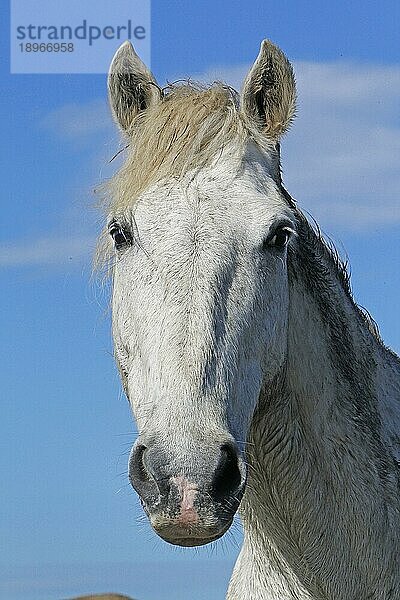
[[316, 460], [328, 384], [332, 356]]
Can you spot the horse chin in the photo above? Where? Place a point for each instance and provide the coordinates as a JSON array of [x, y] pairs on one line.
[[190, 538], [190, 542]]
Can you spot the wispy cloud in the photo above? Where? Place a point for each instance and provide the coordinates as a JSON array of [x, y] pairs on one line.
[[77, 121], [46, 251]]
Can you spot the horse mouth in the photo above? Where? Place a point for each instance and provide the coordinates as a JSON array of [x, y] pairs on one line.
[[190, 542], [188, 537]]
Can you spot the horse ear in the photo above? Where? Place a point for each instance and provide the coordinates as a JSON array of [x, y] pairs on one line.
[[269, 91], [131, 86]]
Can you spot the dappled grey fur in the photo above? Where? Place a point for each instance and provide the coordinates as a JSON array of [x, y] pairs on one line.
[[218, 339]]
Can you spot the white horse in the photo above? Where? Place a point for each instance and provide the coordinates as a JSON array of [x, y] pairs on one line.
[[254, 377]]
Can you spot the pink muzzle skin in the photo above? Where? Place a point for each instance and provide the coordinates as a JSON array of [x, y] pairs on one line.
[[187, 491]]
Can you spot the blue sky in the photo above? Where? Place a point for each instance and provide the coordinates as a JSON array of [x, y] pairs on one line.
[[69, 523]]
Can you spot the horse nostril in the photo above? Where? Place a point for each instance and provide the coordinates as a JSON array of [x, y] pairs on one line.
[[143, 474], [137, 465], [227, 477]]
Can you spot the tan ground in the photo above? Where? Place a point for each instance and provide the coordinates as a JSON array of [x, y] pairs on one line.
[[103, 597]]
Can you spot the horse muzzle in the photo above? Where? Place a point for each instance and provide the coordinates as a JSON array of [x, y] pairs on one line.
[[188, 502]]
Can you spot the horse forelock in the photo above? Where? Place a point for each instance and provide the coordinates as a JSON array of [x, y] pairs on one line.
[[185, 131]]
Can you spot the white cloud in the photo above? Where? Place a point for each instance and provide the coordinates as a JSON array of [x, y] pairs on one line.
[[46, 251], [77, 121]]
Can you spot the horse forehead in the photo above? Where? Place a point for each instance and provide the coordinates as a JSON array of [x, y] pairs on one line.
[[219, 194]]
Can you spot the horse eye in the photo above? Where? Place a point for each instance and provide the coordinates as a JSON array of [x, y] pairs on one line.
[[121, 236], [278, 239]]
